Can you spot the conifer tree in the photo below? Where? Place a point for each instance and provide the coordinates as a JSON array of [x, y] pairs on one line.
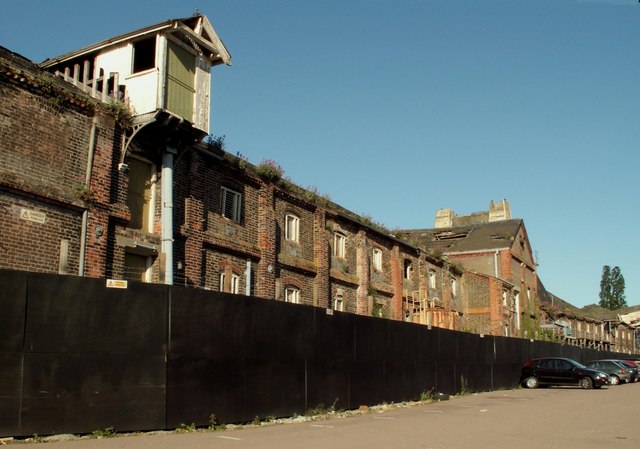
[[612, 288]]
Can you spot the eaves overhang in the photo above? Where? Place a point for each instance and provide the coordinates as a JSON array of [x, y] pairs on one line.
[[218, 52]]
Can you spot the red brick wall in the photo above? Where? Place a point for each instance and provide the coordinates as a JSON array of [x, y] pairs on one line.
[[44, 148]]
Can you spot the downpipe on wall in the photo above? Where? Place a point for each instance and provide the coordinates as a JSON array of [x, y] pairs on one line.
[[87, 180], [167, 211]]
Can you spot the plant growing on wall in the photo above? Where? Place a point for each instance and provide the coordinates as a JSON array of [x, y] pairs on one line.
[[215, 143], [84, 192], [269, 170], [121, 112]]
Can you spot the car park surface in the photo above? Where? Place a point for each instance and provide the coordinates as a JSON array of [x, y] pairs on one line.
[[552, 418]]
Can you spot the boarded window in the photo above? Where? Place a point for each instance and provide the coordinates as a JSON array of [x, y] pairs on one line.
[[135, 267], [181, 69]]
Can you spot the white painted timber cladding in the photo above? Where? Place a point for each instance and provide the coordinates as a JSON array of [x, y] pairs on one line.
[[142, 91]]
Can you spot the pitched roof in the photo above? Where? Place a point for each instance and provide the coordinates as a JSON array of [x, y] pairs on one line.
[[197, 29], [472, 238]]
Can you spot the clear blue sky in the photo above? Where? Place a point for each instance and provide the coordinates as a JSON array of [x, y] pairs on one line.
[[397, 108]]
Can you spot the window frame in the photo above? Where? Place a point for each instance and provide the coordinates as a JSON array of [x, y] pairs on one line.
[[292, 294], [235, 201], [408, 269], [339, 245], [291, 227], [376, 259], [235, 283], [432, 279]]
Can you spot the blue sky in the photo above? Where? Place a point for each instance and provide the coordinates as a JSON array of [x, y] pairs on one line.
[[396, 108]]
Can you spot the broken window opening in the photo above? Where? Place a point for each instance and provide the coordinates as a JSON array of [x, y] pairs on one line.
[[144, 55]]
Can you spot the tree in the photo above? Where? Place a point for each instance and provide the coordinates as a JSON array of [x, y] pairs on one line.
[[612, 288]]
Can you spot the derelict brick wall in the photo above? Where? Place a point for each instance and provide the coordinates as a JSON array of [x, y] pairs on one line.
[[35, 246], [303, 249], [302, 281], [45, 141], [477, 297], [44, 148]]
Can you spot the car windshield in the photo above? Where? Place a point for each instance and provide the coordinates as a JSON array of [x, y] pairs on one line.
[[577, 364]]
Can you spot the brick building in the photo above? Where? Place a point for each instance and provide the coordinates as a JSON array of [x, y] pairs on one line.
[[105, 171], [500, 280]]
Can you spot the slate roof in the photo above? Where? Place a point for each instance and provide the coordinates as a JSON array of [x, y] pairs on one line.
[[472, 238]]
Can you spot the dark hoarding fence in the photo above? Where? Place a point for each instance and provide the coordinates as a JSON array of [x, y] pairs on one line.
[[76, 356]]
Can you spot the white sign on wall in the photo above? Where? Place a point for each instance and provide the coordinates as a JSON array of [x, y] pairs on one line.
[[32, 215]]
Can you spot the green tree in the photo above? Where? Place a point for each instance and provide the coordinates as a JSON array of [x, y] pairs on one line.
[[612, 288]]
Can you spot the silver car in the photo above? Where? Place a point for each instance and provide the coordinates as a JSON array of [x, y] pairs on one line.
[[617, 372]]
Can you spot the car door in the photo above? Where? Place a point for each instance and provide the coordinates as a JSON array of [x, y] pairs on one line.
[[545, 371], [564, 372]]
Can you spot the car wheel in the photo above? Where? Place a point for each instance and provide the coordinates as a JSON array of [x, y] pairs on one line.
[[531, 382], [586, 383], [615, 380]]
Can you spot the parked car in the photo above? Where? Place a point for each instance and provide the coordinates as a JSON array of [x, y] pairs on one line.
[[560, 371], [616, 371], [634, 371]]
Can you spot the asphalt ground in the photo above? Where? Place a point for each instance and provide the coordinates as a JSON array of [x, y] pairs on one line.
[[545, 418]]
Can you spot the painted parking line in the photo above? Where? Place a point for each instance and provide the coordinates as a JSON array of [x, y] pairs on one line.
[[320, 426], [229, 438], [382, 417], [434, 411]]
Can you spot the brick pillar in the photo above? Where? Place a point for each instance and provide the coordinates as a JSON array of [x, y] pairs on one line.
[[322, 288], [396, 281], [96, 244], [362, 271], [495, 305], [110, 193], [193, 231], [266, 272], [505, 266]]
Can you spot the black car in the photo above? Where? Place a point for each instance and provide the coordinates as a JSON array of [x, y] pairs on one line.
[[560, 371]]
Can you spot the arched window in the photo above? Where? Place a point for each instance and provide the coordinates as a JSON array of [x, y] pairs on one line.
[[292, 294]]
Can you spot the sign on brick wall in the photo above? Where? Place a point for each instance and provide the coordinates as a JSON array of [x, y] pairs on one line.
[[32, 215]]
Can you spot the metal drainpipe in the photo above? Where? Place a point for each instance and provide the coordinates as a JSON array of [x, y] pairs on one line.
[[248, 278], [167, 211], [495, 263], [87, 180]]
